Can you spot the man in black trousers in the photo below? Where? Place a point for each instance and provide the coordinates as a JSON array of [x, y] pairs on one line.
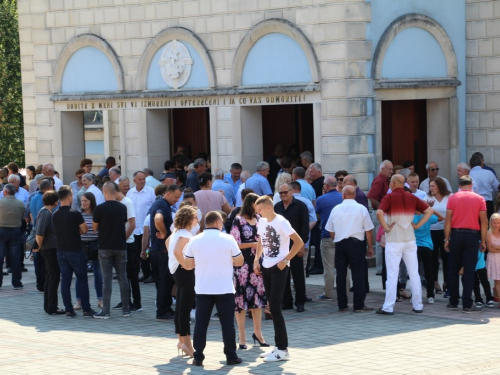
[[296, 213]]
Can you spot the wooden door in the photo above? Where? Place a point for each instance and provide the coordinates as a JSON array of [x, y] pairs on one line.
[[404, 133], [191, 128]]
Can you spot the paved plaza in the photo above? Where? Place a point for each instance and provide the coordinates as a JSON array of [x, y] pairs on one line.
[[322, 339]]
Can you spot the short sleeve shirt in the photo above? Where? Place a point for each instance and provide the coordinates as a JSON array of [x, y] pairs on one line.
[[111, 217], [161, 206], [466, 206], [130, 214], [67, 223], [275, 239], [209, 200], [45, 228], [173, 264], [399, 208], [259, 184]]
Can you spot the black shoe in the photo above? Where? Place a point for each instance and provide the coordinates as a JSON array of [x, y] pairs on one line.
[[164, 318], [315, 271], [242, 347], [25, 269], [89, 314], [308, 299], [451, 307], [149, 280], [234, 361], [135, 307], [119, 306], [382, 312], [351, 289], [197, 362], [263, 344], [287, 307], [418, 311], [70, 314], [56, 312], [379, 273], [141, 279], [307, 273], [364, 309], [5, 273], [472, 309], [344, 309], [300, 308]]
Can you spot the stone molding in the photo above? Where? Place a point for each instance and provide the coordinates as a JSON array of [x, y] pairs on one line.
[[415, 83], [421, 21], [165, 36], [273, 25], [86, 40]]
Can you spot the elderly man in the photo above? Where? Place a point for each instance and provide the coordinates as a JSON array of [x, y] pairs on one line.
[[324, 207], [484, 183], [11, 216], [245, 175], [361, 198], [378, 190], [124, 184], [348, 224], [308, 192], [143, 198], [21, 194], [233, 178], [395, 213], [465, 229], [219, 185], [49, 171], [14, 169], [297, 214], [463, 169], [114, 174], [306, 159], [432, 171], [258, 182], [150, 180], [199, 166], [168, 178]]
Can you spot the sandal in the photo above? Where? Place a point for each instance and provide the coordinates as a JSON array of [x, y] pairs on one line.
[[404, 295], [438, 291]]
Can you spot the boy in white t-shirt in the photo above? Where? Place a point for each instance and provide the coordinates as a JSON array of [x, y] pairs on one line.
[[275, 233]]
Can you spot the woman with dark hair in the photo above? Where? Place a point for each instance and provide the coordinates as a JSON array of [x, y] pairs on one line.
[[185, 219], [30, 173], [89, 243], [438, 199], [339, 175], [249, 286], [46, 240]]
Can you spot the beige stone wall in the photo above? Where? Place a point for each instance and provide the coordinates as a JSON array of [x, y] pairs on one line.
[[483, 80], [335, 28]]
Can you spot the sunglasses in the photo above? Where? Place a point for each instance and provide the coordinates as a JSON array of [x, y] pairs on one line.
[[284, 192], [434, 169], [340, 179]]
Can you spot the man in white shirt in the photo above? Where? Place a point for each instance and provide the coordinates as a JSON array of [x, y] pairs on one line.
[[275, 233], [143, 198], [133, 261], [21, 194], [484, 183], [348, 224], [150, 180], [432, 171], [215, 254], [114, 174], [49, 171], [413, 180]]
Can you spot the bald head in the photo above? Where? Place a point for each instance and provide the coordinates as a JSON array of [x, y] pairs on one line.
[[109, 190], [398, 181], [349, 192], [350, 180]]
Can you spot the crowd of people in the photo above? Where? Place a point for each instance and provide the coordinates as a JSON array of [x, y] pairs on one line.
[[236, 240]]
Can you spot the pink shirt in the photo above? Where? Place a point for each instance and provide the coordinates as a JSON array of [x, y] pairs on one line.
[[209, 200], [466, 206]]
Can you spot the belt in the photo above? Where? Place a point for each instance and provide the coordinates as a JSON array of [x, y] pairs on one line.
[[459, 230]]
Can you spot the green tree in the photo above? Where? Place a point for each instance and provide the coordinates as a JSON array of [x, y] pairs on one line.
[[11, 105]]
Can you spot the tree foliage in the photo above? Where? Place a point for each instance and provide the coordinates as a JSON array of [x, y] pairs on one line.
[[11, 105]]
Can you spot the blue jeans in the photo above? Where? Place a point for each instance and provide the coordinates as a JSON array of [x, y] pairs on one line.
[[69, 262], [463, 253], [97, 275], [118, 260], [10, 243]]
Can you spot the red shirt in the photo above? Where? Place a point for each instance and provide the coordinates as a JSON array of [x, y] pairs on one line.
[[466, 206], [379, 188]]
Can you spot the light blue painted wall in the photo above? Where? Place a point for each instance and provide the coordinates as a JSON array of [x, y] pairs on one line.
[[414, 53], [88, 70], [275, 59], [450, 14], [197, 79]]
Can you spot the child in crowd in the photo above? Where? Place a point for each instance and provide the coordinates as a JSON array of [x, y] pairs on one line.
[[481, 277], [493, 245]]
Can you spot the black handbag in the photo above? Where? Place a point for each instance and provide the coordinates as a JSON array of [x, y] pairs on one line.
[[91, 252]]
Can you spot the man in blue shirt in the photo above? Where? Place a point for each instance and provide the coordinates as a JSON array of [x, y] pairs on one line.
[[233, 178], [258, 182], [307, 191], [218, 184], [324, 206]]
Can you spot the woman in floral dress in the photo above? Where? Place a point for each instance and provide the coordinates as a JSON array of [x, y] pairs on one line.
[[250, 293]]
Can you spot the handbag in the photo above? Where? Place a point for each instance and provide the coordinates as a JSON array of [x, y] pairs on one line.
[[31, 239]]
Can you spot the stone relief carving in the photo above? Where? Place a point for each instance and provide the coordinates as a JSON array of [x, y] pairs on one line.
[[175, 64]]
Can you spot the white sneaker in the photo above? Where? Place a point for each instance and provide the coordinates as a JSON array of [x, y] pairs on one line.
[[192, 314], [268, 353], [490, 304], [430, 300], [278, 355]]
